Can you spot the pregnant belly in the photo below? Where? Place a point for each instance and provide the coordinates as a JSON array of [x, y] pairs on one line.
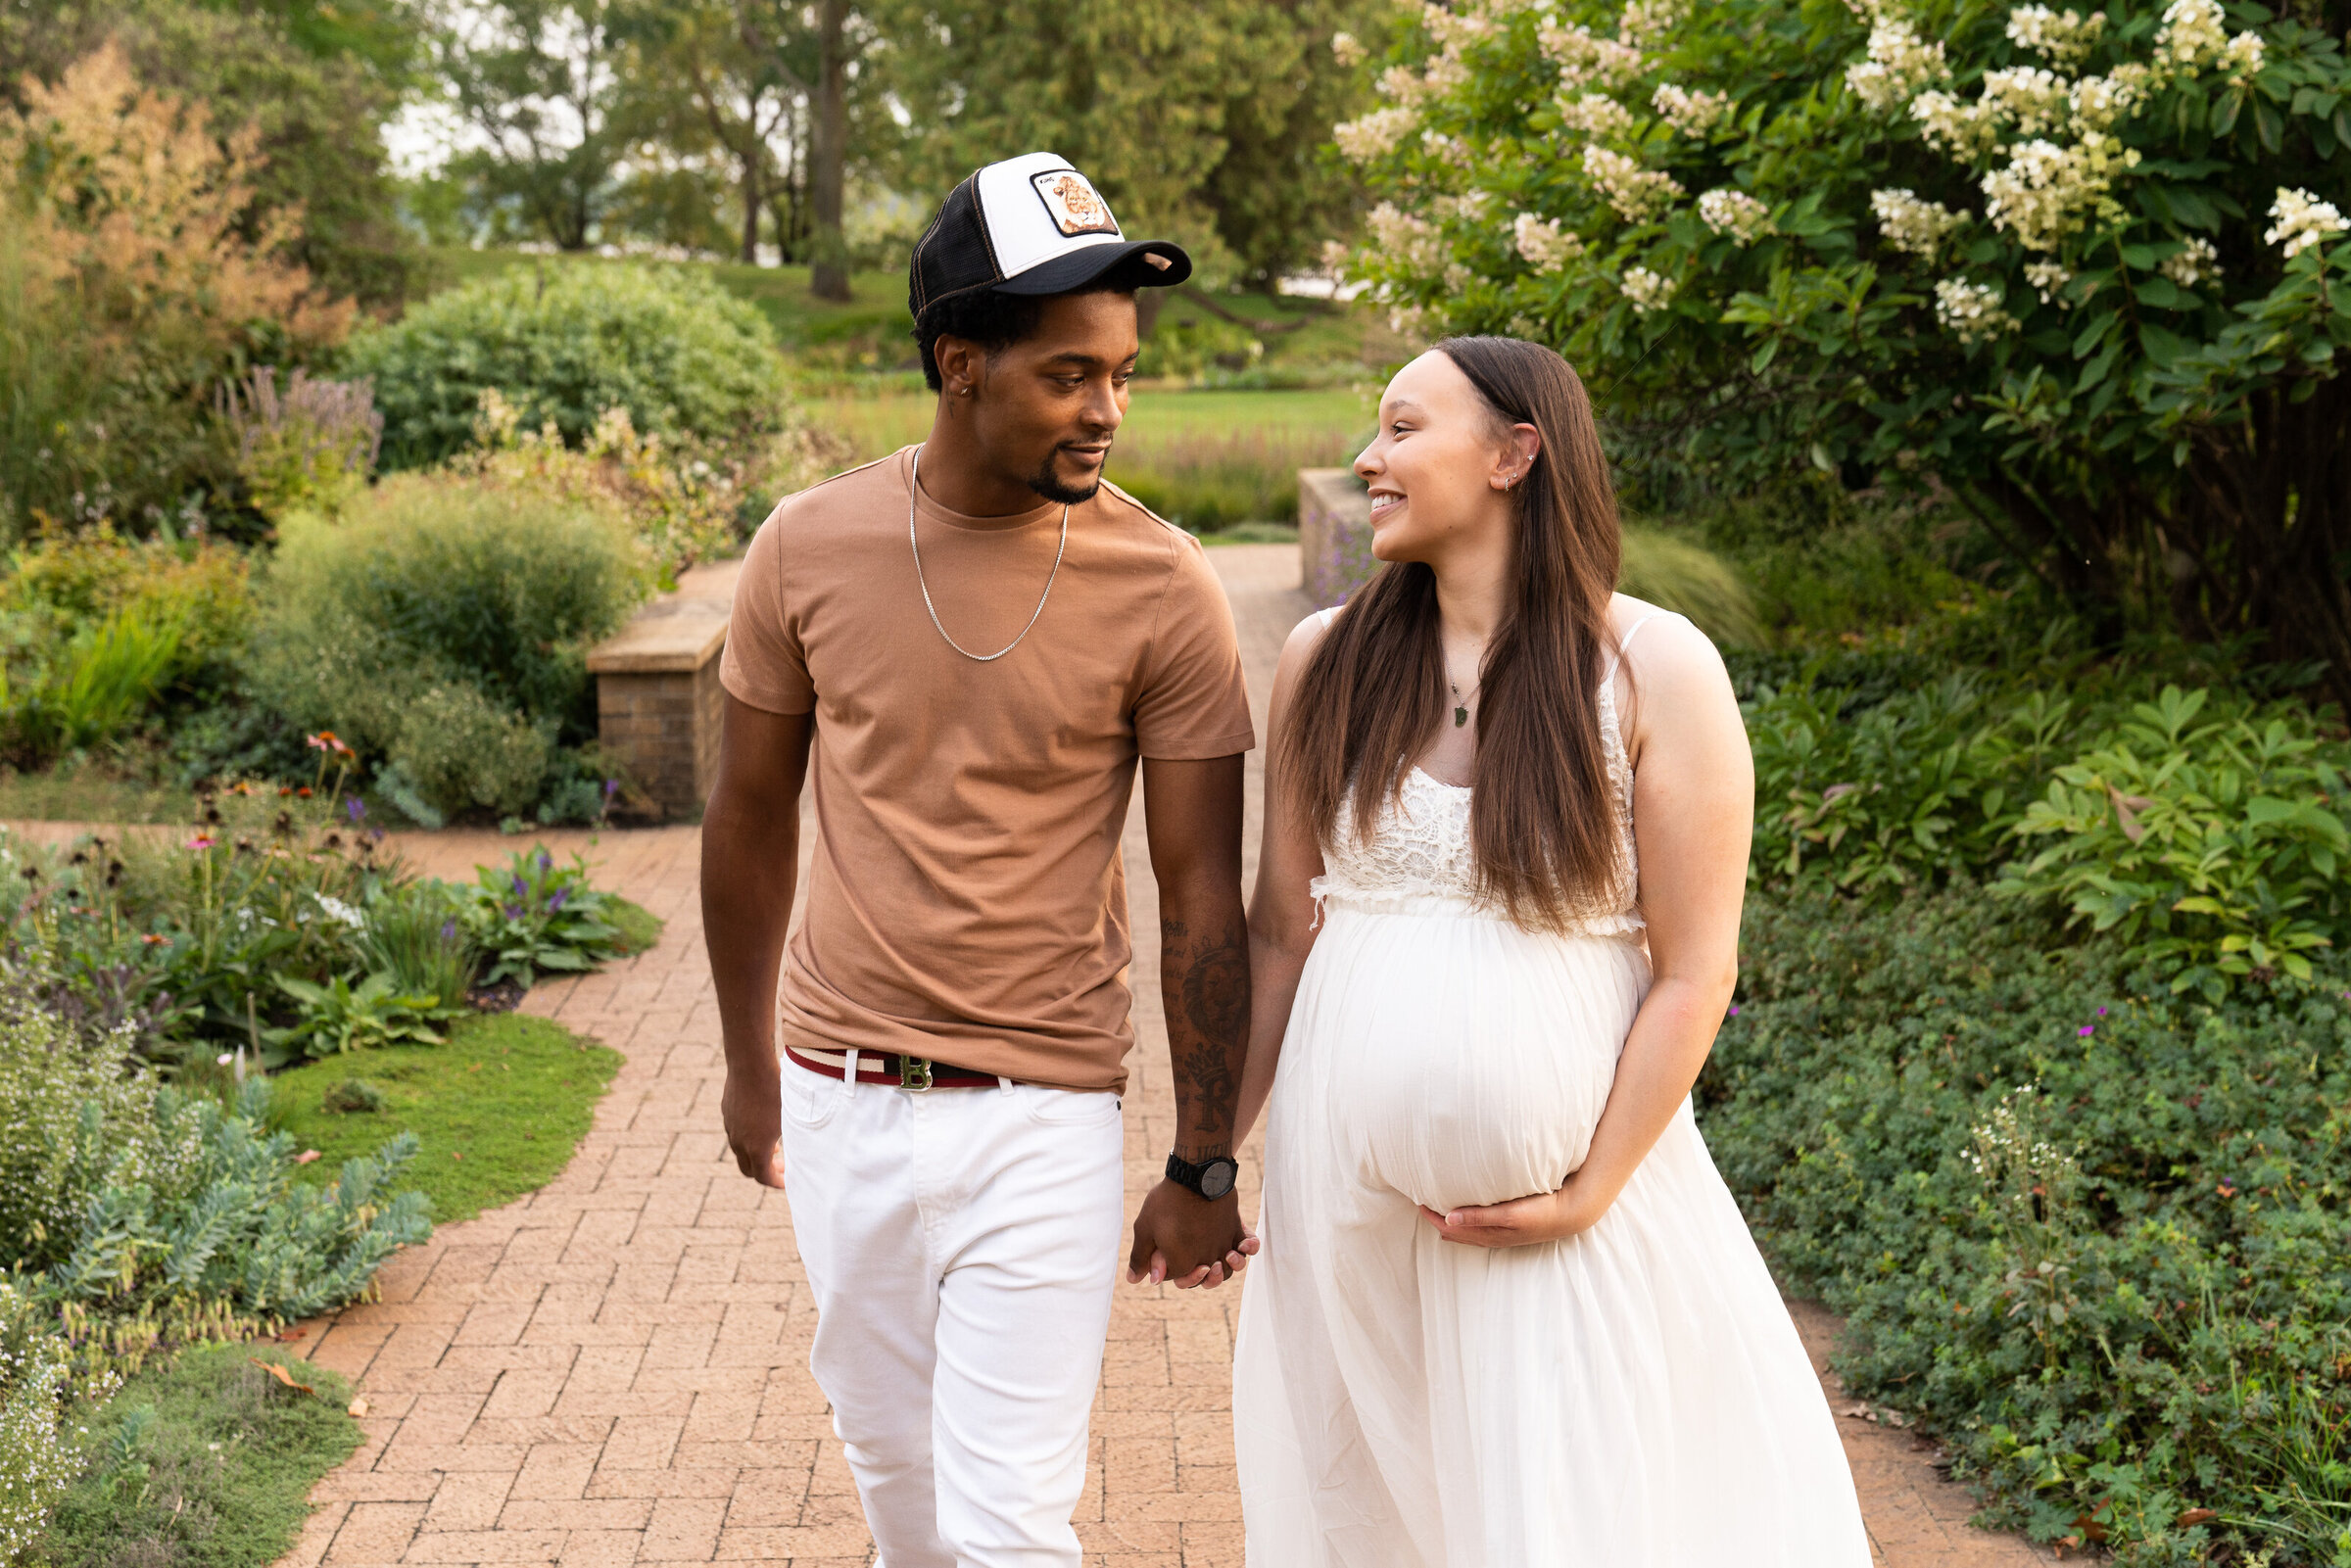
[[1461, 1060]]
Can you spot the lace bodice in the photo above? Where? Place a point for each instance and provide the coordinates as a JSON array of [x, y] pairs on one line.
[[1419, 845]]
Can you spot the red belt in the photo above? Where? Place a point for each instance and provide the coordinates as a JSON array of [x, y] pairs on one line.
[[898, 1071]]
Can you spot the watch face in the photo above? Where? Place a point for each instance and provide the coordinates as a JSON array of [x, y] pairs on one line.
[[1216, 1177]]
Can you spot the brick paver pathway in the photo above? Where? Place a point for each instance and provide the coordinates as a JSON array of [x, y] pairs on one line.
[[613, 1370]]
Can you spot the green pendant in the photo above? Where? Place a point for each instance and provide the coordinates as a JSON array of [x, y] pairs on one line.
[[1461, 716]]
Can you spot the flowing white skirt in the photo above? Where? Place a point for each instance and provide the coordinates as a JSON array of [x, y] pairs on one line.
[[1635, 1397]]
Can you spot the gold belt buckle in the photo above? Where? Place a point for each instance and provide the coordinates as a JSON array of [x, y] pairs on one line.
[[914, 1074]]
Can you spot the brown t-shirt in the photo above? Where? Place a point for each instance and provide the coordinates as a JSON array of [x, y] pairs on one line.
[[967, 901]]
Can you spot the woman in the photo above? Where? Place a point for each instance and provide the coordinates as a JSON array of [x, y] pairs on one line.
[[1506, 1315]]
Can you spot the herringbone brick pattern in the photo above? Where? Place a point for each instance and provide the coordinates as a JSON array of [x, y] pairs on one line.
[[613, 1370]]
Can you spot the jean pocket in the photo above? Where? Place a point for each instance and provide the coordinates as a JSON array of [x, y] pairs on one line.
[[1068, 1107], [810, 1098]]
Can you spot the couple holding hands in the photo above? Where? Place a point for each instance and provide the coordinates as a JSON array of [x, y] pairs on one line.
[[1500, 1308]]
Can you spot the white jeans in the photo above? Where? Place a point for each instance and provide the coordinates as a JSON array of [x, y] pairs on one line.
[[962, 1244]]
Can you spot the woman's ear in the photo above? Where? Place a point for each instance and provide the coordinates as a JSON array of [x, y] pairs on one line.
[[1519, 448]]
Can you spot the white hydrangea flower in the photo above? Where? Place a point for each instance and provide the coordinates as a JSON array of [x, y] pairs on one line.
[[2194, 265], [1407, 320], [1970, 312], [1644, 24], [1467, 208], [1446, 149], [2098, 101], [1648, 291], [1635, 192], [2046, 278], [2062, 39], [2303, 220], [1454, 30], [1402, 84], [1586, 60], [1545, 245], [2194, 32], [1692, 114], [1376, 134], [2242, 58], [1736, 214], [1349, 49], [1900, 63], [1913, 226], [2045, 191], [1960, 128], [1596, 115], [1445, 72], [1408, 237], [2037, 100]]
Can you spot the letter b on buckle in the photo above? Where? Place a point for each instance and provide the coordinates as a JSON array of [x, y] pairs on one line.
[[914, 1073]]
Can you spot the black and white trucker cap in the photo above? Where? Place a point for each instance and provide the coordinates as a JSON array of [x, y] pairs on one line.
[[1032, 226]]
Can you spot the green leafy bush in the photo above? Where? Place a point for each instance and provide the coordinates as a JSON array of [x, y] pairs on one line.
[[2212, 848], [336, 1016], [443, 627], [97, 631], [564, 343], [532, 916], [2205, 831], [2088, 1231]]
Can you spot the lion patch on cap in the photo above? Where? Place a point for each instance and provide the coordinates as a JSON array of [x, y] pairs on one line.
[[1076, 206]]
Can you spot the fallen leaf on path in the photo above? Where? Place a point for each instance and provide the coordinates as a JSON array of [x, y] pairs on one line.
[[281, 1374], [358, 1407]]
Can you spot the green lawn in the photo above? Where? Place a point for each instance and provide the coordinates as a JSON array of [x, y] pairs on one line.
[[496, 1110], [1208, 459], [204, 1461]]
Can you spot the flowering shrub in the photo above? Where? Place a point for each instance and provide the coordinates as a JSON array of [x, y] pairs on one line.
[[312, 446], [39, 1457], [532, 916], [2081, 269]]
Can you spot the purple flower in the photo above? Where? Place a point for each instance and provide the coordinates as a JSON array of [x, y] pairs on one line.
[[355, 807], [513, 912], [449, 929], [554, 900], [1734, 1010], [2087, 1030], [612, 787], [2101, 1011], [546, 859]]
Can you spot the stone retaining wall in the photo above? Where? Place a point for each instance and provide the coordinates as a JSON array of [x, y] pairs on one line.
[[1335, 535], [658, 705]]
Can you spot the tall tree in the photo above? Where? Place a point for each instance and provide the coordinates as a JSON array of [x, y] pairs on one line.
[[727, 79], [1134, 95], [829, 271], [538, 84]]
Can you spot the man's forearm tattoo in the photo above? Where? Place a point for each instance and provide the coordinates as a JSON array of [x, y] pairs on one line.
[[1204, 980]]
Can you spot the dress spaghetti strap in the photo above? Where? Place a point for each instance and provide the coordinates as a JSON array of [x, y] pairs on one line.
[[1633, 630]]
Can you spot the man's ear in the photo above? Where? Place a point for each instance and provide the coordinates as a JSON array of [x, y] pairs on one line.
[[962, 365]]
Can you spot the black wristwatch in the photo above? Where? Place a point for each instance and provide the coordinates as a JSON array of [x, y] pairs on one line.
[[1211, 1178]]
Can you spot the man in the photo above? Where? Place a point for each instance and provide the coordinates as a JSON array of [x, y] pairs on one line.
[[982, 638]]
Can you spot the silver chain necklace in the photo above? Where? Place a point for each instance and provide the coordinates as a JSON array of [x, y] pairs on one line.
[[914, 488]]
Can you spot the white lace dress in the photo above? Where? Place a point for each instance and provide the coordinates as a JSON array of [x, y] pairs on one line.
[[1634, 1396]]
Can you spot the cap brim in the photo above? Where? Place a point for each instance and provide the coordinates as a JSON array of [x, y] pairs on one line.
[[1144, 264]]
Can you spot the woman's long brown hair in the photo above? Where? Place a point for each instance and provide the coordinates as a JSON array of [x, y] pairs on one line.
[[1542, 823]]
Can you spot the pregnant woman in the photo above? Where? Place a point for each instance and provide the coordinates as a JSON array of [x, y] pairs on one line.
[[1506, 1315]]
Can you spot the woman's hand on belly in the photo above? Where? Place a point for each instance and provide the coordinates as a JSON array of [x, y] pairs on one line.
[[1524, 1221]]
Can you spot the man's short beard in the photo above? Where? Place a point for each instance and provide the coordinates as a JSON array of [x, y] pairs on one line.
[[1048, 485]]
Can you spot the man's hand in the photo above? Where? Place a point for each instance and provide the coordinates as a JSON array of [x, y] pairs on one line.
[[1192, 1240], [753, 1113], [1524, 1221]]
